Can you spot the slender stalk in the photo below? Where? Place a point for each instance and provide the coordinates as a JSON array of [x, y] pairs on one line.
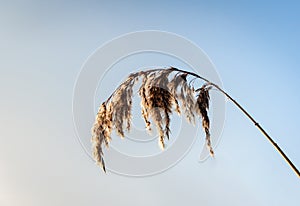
[[185, 73], [249, 116]]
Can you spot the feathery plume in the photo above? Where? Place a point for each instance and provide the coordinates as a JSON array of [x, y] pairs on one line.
[[100, 135], [159, 94], [202, 107], [160, 104]]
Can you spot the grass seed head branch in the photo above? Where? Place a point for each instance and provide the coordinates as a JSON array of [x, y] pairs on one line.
[[161, 92]]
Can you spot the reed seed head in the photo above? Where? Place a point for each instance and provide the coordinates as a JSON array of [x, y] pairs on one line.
[[161, 92]]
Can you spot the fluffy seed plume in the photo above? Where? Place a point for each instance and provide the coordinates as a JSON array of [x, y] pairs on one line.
[[160, 105], [161, 91], [202, 108], [100, 135]]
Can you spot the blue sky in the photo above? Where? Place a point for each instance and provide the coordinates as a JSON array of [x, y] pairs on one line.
[[255, 48]]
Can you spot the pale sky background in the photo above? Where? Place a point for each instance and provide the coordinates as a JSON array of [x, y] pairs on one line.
[[255, 48]]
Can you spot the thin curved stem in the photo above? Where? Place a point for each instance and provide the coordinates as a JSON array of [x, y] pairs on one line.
[[249, 116], [226, 95]]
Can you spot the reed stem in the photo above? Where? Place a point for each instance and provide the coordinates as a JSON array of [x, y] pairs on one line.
[[249, 116]]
